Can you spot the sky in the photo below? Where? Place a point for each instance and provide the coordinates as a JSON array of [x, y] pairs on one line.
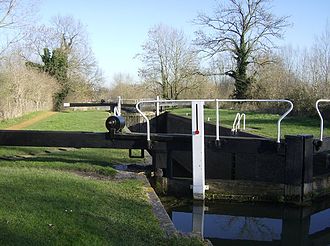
[[118, 28]]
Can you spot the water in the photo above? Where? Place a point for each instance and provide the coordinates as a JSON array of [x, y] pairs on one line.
[[238, 224]]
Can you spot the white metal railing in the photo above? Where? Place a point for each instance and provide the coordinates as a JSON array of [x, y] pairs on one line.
[[116, 111], [217, 101], [320, 115], [254, 100], [237, 122], [121, 101], [170, 103]]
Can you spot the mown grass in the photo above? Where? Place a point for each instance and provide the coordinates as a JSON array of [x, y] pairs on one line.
[[68, 209], [264, 124], [88, 121], [58, 198]]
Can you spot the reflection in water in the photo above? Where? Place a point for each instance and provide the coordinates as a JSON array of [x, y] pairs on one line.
[[255, 224], [239, 227], [320, 221]]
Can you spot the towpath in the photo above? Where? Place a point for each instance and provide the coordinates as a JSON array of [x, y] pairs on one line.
[[30, 122]]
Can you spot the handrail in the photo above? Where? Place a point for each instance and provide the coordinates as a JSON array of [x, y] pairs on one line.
[[320, 115], [264, 100], [137, 106], [217, 113], [244, 119], [237, 122], [116, 111]]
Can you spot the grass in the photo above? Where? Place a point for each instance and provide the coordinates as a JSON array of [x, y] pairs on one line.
[[7, 123], [58, 198], [71, 210], [264, 124], [88, 121]]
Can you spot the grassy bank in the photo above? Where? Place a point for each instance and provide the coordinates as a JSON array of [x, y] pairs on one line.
[[264, 124], [54, 197], [43, 207]]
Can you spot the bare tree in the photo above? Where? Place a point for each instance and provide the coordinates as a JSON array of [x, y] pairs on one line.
[[123, 85], [6, 13], [15, 15], [24, 90], [320, 57], [73, 38], [243, 29], [170, 63], [70, 36]]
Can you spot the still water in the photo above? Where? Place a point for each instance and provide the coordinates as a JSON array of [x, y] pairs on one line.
[[239, 224]]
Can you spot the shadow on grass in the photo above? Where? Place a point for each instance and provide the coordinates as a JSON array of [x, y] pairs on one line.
[[9, 237], [101, 157], [13, 150], [50, 159]]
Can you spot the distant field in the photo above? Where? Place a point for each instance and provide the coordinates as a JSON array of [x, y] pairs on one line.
[[264, 124]]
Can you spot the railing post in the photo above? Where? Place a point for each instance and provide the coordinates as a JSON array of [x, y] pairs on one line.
[[243, 115], [157, 106], [119, 106], [217, 121], [198, 149]]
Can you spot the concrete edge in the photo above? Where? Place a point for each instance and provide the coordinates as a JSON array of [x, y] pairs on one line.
[[162, 216], [158, 209]]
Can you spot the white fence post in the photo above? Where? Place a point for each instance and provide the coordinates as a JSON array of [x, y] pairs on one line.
[[157, 106], [198, 149], [119, 106]]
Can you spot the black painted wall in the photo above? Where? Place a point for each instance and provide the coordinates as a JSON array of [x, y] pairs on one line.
[[254, 158]]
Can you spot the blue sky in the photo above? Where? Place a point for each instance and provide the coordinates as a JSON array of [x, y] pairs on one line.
[[117, 29]]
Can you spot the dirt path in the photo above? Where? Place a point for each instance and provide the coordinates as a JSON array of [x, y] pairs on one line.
[[30, 122]]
